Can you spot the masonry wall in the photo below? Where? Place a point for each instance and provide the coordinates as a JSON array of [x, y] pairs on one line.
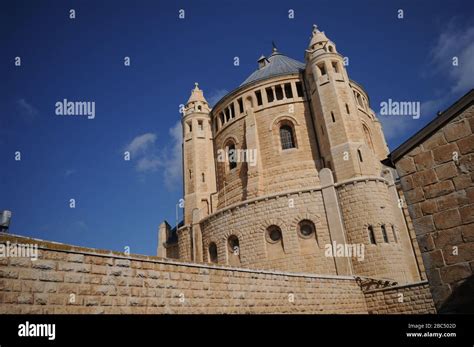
[[249, 222], [106, 282], [439, 191], [409, 299]]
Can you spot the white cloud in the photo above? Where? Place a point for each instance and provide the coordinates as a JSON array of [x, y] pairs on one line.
[[141, 143], [167, 160], [454, 43], [216, 95], [459, 79]]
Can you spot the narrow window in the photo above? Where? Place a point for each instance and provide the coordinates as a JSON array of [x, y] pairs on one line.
[[270, 96], [279, 92], [347, 109], [213, 252], [299, 89], [234, 245], [258, 94], [371, 234], [288, 91], [227, 114], [200, 125], [241, 105], [384, 233], [190, 126], [221, 115], [335, 66], [286, 137], [190, 174], [322, 69], [203, 177], [360, 155], [333, 118], [232, 110], [231, 156], [394, 234]]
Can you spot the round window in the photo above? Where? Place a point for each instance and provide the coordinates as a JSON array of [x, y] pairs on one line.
[[274, 234], [306, 228]]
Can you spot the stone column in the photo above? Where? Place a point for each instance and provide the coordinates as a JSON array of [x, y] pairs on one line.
[[334, 216]]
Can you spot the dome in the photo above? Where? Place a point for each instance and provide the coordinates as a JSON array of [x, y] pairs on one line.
[[275, 65]]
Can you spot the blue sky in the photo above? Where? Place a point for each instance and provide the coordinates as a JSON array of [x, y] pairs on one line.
[[121, 203]]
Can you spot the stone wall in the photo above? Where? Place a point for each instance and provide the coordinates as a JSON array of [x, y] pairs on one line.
[[437, 177], [69, 279], [410, 299]]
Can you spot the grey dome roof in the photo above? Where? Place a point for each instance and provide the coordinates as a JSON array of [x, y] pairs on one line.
[[276, 64]]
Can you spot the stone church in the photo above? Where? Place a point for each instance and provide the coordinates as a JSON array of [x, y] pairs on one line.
[[287, 164]]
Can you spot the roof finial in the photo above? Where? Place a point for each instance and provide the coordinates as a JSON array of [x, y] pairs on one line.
[[196, 85], [274, 49], [315, 28]]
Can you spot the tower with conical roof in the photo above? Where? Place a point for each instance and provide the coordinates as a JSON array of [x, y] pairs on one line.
[[198, 157]]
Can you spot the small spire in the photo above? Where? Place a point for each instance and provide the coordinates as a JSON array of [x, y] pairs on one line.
[[274, 47], [197, 94]]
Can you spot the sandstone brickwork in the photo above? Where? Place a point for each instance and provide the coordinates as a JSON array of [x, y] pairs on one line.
[[77, 280], [436, 174]]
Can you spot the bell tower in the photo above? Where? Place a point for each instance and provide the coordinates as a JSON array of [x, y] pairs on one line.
[[343, 146], [198, 157]]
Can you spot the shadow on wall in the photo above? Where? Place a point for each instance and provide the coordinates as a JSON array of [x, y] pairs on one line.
[[461, 300]]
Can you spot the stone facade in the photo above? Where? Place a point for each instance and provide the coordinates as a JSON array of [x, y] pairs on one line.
[[77, 280], [313, 165], [436, 174]]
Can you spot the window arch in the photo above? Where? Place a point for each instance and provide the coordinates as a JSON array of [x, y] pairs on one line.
[[213, 252], [287, 137], [370, 230]]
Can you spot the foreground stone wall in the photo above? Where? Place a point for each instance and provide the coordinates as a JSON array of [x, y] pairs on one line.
[[68, 279], [410, 299], [437, 177]]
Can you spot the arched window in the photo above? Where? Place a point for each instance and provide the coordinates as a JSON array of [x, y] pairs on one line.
[[199, 108], [286, 137], [232, 156], [384, 233], [330, 49], [368, 138], [233, 246], [213, 252], [370, 229], [394, 234]]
